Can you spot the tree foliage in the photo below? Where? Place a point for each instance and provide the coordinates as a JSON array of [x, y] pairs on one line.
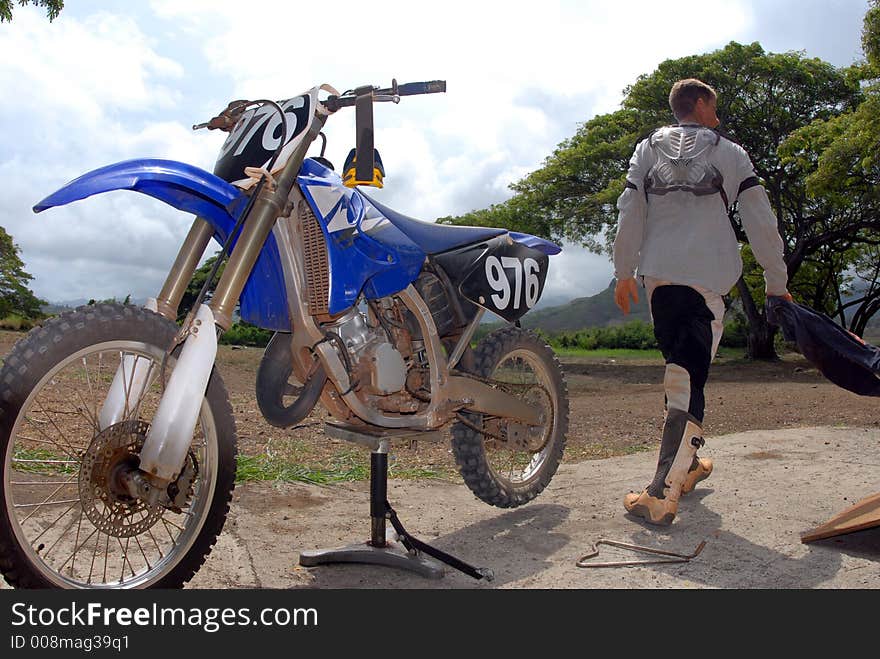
[[53, 8], [839, 159], [15, 296], [200, 276]]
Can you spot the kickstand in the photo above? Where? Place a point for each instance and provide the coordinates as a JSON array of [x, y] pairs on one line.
[[415, 545], [674, 558]]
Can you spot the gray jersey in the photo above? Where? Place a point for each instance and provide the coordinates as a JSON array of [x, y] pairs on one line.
[[673, 223]]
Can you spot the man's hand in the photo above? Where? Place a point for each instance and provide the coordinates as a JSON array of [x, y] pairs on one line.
[[623, 291]]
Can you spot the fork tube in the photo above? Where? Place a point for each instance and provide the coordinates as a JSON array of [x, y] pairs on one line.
[[255, 231], [184, 267]]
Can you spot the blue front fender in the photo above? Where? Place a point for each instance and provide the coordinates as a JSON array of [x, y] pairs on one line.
[[193, 190]]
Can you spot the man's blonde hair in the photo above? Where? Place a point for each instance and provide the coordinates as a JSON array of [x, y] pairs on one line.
[[684, 95]]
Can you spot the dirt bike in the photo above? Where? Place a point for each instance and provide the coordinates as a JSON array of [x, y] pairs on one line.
[[116, 432]]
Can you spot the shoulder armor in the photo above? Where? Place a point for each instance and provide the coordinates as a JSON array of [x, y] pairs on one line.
[[683, 161]]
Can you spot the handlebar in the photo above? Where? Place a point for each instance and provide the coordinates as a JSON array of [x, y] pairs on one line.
[[413, 88], [392, 93]]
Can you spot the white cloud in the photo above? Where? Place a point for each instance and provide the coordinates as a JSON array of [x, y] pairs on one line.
[[487, 51], [93, 88], [87, 89]]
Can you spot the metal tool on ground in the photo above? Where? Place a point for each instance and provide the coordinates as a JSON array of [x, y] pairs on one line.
[[671, 557]]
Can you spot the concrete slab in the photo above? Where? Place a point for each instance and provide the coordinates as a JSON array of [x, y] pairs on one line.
[[768, 487]]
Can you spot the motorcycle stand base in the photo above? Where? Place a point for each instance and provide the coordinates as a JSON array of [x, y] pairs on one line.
[[384, 550], [391, 555]]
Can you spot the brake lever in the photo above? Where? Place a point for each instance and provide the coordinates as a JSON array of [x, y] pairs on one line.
[[227, 119]]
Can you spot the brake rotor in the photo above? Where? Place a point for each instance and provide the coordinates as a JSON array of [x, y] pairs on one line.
[[103, 499]]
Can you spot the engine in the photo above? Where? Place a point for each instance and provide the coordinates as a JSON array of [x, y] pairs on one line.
[[377, 366], [385, 349]]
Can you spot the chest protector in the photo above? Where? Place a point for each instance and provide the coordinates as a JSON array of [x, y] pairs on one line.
[[683, 162]]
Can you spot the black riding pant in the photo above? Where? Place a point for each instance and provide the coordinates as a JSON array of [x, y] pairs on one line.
[[683, 327]]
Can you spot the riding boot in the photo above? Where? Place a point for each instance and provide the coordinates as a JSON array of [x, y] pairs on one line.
[[700, 470], [658, 503]]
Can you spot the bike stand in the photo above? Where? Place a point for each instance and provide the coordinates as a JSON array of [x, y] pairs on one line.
[[380, 549]]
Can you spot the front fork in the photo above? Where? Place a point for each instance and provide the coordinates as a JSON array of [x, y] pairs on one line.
[[170, 434]]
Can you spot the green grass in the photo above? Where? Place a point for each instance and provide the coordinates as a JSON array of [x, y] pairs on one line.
[[346, 466], [38, 468]]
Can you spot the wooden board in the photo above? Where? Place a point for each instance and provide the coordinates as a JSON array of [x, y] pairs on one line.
[[863, 515]]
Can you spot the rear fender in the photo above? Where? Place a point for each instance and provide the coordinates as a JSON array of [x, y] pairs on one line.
[[193, 190]]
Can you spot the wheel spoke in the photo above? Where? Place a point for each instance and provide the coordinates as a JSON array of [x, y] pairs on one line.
[[72, 452], [125, 559], [155, 542], [39, 483], [76, 548], [61, 535], [86, 413], [49, 440], [50, 503], [53, 523], [85, 363], [106, 556], [46, 500], [150, 378], [170, 535], [143, 553], [75, 543]]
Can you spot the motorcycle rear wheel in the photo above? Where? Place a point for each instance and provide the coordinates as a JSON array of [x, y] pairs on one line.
[[63, 521], [498, 469]]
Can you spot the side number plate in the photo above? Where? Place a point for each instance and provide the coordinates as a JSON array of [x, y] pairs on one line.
[[507, 279]]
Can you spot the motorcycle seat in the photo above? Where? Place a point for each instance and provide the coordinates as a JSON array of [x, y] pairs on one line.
[[434, 238]]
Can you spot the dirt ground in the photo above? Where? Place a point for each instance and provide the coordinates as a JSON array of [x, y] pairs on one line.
[[616, 409]]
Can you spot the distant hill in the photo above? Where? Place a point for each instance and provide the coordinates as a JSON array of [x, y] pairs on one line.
[[595, 311]]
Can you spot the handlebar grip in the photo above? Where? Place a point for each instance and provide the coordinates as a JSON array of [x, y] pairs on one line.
[[430, 87]]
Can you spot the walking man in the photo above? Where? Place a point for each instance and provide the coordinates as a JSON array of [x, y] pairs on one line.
[[673, 230]]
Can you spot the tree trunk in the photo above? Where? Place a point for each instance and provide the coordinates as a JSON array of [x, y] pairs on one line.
[[760, 332]]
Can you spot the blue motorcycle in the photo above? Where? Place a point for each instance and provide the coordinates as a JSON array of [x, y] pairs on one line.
[[116, 432]]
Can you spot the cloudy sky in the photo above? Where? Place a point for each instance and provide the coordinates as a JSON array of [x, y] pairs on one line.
[[110, 81]]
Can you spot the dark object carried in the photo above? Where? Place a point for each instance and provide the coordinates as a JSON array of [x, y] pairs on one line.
[[848, 362], [840, 356]]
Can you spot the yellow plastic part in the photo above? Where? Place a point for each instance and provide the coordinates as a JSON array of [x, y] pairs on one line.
[[349, 173], [349, 179]]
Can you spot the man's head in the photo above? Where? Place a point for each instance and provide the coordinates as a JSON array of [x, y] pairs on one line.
[[693, 101]]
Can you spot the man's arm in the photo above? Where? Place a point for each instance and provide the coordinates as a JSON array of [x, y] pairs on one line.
[[632, 210], [762, 229]]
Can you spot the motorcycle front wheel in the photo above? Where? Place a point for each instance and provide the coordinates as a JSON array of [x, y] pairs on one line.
[[64, 520], [504, 464]]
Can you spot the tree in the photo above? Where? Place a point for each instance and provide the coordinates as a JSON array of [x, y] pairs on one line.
[[200, 276], [839, 158], [15, 296], [53, 8], [763, 97]]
